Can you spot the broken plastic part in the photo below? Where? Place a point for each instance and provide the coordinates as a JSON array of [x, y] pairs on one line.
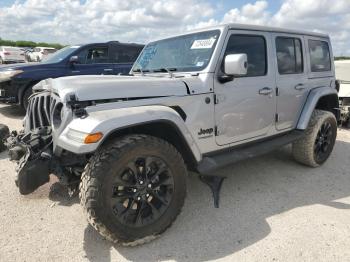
[[215, 183]]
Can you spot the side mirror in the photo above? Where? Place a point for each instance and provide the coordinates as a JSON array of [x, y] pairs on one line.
[[73, 59], [236, 65]]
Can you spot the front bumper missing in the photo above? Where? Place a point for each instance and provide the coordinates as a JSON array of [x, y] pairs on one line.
[[32, 173], [33, 153], [36, 161]]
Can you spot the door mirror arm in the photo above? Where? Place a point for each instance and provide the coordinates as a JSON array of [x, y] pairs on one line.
[[223, 78]]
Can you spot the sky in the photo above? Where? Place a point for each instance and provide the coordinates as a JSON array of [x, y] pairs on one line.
[[140, 21]]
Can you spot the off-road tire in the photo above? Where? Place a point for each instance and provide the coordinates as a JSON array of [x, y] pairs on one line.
[[303, 149], [27, 93], [102, 168]]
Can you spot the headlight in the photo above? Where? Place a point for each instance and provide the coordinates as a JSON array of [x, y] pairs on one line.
[[6, 75], [84, 138]]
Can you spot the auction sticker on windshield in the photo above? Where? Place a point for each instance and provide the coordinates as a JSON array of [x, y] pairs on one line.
[[203, 43]]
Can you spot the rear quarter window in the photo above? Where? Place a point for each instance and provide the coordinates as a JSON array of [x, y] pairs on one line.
[[320, 59]]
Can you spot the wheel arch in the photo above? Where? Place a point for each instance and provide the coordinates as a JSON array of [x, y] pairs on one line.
[[322, 98], [25, 87], [164, 129]]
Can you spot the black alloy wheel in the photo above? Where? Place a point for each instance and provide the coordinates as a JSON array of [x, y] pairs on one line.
[[323, 142], [142, 192]]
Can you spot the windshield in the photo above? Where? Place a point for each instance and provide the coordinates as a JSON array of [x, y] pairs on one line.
[[184, 53], [60, 55]]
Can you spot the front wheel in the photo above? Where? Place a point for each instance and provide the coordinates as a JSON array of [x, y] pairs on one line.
[[133, 189], [317, 144], [25, 100]]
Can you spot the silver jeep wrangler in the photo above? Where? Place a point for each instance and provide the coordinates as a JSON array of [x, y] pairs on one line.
[[198, 101]]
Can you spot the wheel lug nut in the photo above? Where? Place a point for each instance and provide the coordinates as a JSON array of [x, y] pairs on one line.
[[141, 182], [139, 198], [149, 185], [147, 195], [134, 190]]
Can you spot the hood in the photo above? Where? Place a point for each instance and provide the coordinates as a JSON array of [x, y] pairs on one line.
[[99, 87], [24, 66]]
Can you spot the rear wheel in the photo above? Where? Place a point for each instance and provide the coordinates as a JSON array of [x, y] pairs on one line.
[[133, 189], [317, 144]]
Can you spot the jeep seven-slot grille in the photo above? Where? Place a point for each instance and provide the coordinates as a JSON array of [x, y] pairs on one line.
[[40, 110]]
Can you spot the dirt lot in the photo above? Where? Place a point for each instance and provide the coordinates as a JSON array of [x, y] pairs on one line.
[[272, 209]]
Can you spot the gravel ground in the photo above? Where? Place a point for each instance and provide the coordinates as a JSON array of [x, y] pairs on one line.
[[272, 209]]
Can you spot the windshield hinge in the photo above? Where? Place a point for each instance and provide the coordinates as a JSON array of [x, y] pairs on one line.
[[276, 118], [277, 91]]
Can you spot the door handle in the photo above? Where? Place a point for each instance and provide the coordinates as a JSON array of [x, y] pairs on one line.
[[265, 91], [299, 87], [107, 69]]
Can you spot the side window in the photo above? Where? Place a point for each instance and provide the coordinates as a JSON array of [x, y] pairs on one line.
[[125, 54], [255, 49], [289, 55], [319, 56], [95, 55]]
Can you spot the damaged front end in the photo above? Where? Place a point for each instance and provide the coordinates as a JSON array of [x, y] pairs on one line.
[[33, 152], [33, 149]]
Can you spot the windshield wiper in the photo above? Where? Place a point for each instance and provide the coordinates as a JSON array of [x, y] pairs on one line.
[[140, 70], [165, 69]]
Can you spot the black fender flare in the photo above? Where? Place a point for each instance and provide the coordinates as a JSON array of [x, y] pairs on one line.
[[314, 96]]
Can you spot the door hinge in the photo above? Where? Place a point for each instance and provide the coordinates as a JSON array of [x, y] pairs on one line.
[[216, 100], [277, 91], [216, 131], [276, 118]]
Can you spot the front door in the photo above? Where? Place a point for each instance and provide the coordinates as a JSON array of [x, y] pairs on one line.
[[245, 107], [291, 79], [93, 60]]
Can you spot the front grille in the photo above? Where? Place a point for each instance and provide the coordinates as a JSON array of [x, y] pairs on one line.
[[40, 108]]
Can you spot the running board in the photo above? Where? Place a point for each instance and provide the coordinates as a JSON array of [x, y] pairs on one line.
[[213, 162]]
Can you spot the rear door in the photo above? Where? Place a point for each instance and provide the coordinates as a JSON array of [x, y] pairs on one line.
[[123, 57], [245, 107], [291, 78], [93, 60]]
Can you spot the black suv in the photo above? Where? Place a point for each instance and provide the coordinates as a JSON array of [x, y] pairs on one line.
[[16, 81]]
